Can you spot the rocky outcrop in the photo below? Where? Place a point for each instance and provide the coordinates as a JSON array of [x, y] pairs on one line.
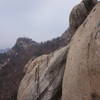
[[82, 74], [43, 77], [80, 12], [13, 62], [11, 67], [77, 17]]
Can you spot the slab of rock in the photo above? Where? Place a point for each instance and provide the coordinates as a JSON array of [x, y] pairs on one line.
[[82, 74], [43, 79]]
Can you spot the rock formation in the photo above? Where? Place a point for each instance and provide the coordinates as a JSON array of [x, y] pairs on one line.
[[43, 77], [82, 74], [11, 67], [80, 12], [77, 16], [13, 62]]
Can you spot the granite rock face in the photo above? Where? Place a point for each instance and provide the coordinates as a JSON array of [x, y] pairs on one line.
[[43, 77], [82, 73]]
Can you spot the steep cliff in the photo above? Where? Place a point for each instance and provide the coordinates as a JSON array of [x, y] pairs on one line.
[[82, 74]]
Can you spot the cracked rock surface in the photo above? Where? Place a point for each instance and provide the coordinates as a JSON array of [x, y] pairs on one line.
[[43, 77], [82, 74]]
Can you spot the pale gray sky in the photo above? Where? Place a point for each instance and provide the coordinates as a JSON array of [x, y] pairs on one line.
[[37, 19]]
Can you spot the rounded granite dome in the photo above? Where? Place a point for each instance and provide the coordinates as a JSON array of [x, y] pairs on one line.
[[78, 14]]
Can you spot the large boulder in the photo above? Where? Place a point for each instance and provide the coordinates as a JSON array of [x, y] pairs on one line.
[[77, 17], [80, 12], [82, 73], [43, 79]]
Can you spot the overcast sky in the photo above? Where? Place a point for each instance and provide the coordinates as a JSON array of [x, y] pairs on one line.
[[37, 19]]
